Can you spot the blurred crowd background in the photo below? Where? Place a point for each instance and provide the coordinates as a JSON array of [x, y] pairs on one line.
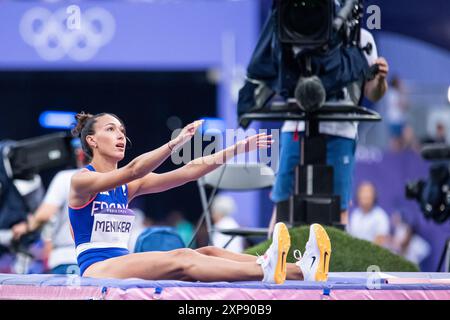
[[161, 64]]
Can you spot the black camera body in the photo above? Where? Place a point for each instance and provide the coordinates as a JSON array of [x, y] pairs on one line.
[[313, 30], [433, 194], [23, 161], [306, 46]]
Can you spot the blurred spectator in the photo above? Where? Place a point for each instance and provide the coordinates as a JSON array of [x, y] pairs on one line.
[[222, 209], [440, 135], [409, 140], [407, 243], [368, 221], [183, 227], [54, 210], [396, 111]]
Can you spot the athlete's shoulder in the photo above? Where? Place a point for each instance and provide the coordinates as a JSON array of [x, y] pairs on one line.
[[78, 176], [81, 171]]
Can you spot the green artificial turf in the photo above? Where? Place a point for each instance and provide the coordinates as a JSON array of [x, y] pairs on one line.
[[348, 253]]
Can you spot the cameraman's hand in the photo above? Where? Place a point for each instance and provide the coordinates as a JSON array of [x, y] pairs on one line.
[[19, 230], [376, 88], [384, 68]]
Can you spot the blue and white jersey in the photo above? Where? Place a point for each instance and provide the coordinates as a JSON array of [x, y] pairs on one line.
[[102, 227]]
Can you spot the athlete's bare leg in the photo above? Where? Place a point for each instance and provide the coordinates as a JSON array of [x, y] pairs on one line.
[[180, 264], [292, 271]]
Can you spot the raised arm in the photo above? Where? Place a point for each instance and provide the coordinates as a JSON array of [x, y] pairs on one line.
[[195, 169], [376, 88], [87, 183]]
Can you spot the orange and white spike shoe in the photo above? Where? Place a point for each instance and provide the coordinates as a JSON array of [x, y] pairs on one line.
[[315, 262], [273, 262]]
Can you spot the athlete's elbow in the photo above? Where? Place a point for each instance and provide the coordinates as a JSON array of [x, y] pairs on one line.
[[188, 173], [135, 171], [191, 172]]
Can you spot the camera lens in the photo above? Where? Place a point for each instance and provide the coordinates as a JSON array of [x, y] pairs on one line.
[[306, 18]]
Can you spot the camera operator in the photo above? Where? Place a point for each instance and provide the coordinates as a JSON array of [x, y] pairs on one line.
[[52, 214], [341, 139]]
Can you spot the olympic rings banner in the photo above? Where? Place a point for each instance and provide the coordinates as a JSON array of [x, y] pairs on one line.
[[164, 34], [50, 35]]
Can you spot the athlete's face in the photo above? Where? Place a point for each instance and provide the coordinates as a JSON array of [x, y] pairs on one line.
[[109, 139]]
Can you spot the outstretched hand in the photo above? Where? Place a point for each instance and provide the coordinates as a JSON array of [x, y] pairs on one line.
[[257, 141], [186, 134]]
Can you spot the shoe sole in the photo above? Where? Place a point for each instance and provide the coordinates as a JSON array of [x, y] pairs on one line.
[[324, 244], [284, 243]]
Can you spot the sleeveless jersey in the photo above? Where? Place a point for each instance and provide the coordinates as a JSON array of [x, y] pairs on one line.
[[102, 227]]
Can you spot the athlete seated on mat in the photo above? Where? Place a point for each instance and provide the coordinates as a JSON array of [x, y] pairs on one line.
[[101, 221]]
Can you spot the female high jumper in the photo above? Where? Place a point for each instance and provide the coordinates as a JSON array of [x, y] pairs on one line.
[[101, 221]]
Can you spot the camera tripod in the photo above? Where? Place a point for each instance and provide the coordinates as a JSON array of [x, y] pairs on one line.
[[313, 200]]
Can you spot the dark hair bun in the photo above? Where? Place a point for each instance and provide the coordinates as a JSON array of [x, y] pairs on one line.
[[81, 119]]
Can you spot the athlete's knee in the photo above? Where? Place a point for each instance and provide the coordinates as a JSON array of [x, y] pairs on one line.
[[208, 251], [184, 258], [184, 261], [183, 253]]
